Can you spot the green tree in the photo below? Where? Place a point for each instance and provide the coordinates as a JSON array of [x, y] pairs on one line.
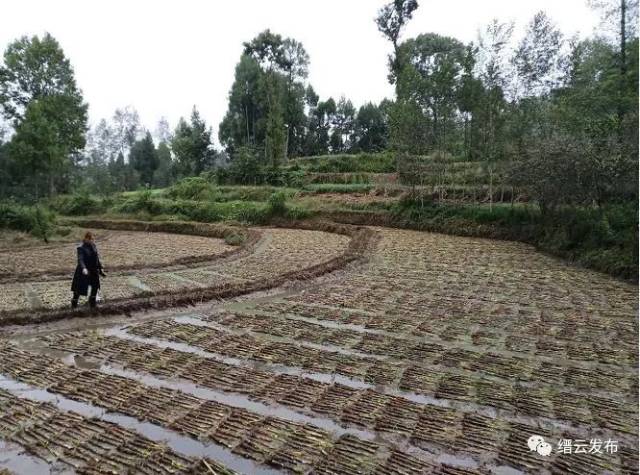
[[371, 128], [35, 68], [267, 49], [44, 141], [538, 57], [163, 131], [469, 98], [587, 110], [431, 72], [123, 175], [165, 173], [488, 99], [191, 145], [538, 69], [244, 122], [126, 128], [267, 98], [391, 20], [275, 137], [343, 124], [38, 94], [621, 16], [319, 126], [99, 151], [294, 65], [144, 158]]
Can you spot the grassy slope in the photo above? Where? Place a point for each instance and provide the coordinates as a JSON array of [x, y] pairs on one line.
[[605, 239]]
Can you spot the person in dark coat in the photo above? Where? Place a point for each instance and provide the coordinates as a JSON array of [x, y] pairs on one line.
[[88, 272]]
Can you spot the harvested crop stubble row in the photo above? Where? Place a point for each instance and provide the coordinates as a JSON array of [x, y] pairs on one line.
[[447, 302], [285, 250], [438, 381], [90, 445], [447, 320], [246, 346], [441, 353], [516, 267], [269, 440], [424, 425], [412, 286]]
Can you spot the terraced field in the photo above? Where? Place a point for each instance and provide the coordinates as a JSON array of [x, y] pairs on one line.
[[147, 270], [419, 353], [118, 249]]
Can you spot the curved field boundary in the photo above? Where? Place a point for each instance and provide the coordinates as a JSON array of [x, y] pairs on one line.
[[361, 243], [249, 238]]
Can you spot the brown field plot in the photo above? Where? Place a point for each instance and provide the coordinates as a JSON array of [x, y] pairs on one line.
[[425, 354]]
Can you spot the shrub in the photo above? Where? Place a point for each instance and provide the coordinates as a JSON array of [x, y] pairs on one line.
[[275, 177], [234, 239], [195, 210], [604, 238], [79, 204], [192, 188], [244, 169], [278, 204], [295, 178], [341, 178], [141, 201], [297, 213], [348, 163], [253, 215], [32, 219], [339, 188], [248, 193]]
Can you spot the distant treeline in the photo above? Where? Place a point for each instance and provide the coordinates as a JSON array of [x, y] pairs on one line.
[[558, 117]]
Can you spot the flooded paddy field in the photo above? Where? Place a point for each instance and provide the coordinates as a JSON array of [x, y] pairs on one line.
[[425, 354]]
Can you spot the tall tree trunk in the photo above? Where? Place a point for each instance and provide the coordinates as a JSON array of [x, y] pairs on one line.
[[491, 188], [623, 38], [623, 65], [288, 116], [466, 136], [246, 116]]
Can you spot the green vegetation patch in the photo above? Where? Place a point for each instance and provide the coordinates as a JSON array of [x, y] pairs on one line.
[[348, 163], [35, 220], [339, 188]]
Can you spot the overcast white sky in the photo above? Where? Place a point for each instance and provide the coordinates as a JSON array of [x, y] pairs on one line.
[[164, 56]]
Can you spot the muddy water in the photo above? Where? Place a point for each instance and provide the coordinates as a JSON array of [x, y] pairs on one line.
[[15, 459], [177, 442]]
